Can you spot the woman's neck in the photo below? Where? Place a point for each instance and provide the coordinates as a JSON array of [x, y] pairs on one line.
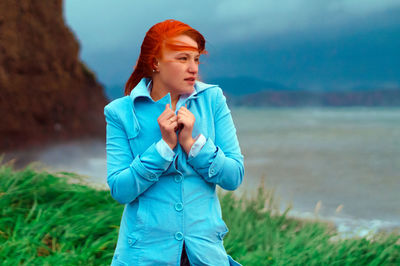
[[158, 93]]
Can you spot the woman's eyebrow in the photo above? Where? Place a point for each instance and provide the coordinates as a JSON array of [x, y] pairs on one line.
[[187, 54]]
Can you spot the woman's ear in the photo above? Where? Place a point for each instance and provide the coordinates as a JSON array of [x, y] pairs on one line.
[[155, 65]]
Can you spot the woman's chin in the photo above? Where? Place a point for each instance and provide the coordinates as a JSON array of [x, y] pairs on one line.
[[186, 90]]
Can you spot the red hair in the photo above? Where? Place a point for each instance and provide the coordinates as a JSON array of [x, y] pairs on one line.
[[158, 38]]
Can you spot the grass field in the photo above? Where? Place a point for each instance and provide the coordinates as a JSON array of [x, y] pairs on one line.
[[51, 219]]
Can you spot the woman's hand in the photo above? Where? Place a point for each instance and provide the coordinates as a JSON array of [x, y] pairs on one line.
[[168, 123], [186, 121]]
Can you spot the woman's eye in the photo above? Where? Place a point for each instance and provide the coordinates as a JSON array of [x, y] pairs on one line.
[[182, 58]]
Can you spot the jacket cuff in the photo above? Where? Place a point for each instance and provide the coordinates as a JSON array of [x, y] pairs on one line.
[[164, 150], [200, 140], [150, 164], [209, 161]]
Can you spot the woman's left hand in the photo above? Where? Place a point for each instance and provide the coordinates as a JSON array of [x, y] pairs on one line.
[[186, 122]]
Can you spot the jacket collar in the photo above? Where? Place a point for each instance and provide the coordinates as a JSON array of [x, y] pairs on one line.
[[142, 89]]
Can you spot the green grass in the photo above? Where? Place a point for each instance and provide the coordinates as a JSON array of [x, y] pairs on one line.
[[50, 219], [260, 235]]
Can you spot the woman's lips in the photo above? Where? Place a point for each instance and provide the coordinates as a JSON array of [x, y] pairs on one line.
[[190, 80]]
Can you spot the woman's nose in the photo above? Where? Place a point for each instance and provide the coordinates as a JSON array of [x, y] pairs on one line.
[[193, 67]]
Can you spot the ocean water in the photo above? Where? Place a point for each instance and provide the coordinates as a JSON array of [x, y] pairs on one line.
[[340, 164], [336, 164]]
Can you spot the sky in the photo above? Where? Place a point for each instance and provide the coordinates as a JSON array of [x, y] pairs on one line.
[[309, 44]]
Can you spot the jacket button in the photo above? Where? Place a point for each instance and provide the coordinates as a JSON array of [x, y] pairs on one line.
[[131, 241], [178, 236], [212, 171], [178, 206], [178, 178]]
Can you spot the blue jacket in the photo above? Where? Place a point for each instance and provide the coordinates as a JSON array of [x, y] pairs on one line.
[[168, 202]]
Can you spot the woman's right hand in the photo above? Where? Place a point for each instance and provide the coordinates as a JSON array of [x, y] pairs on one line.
[[168, 123]]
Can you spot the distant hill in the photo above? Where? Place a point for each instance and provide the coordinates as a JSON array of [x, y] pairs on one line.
[[378, 97], [246, 85], [250, 91]]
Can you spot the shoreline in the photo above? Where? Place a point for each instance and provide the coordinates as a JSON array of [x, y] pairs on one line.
[[346, 226]]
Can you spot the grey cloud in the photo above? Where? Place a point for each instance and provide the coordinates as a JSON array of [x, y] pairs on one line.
[[105, 24], [294, 42], [246, 19]]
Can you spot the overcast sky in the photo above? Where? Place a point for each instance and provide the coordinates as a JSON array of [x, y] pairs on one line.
[[299, 43]]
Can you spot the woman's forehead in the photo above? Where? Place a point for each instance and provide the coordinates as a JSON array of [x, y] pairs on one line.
[[181, 49], [184, 40], [187, 52], [180, 43]]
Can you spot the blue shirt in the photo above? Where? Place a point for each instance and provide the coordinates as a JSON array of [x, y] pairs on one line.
[[171, 200]]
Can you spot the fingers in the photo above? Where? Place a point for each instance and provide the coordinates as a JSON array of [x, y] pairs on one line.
[[186, 119], [183, 111], [172, 119], [173, 126], [166, 114], [169, 120]]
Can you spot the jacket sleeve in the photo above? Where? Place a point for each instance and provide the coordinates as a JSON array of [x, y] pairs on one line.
[[129, 176], [221, 162]]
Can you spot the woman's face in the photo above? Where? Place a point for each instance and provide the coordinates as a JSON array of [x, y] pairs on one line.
[[177, 70]]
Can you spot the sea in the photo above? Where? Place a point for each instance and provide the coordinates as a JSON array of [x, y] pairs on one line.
[[335, 164]]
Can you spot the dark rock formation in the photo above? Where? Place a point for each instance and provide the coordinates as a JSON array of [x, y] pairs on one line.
[[46, 93]]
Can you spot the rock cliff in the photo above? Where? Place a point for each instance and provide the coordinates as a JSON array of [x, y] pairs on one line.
[[46, 93]]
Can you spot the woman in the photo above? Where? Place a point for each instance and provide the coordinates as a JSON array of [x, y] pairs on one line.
[[170, 141]]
